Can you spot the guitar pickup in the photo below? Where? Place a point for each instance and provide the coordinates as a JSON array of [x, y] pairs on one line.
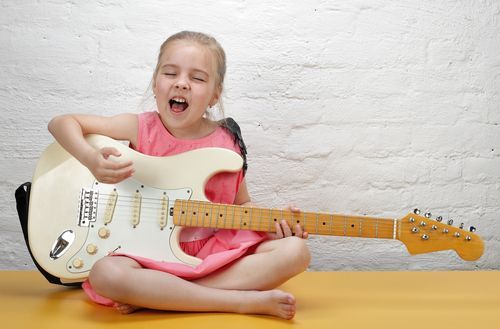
[[136, 208], [110, 207], [164, 212]]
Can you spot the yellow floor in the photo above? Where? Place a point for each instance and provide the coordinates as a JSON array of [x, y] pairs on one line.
[[325, 300]]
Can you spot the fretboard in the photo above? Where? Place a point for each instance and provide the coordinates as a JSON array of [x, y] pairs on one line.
[[222, 216]]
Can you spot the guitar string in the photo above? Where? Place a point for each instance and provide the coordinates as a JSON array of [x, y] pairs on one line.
[[388, 222], [374, 226]]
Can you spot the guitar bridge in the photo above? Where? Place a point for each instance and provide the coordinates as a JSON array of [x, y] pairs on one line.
[[87, 207]]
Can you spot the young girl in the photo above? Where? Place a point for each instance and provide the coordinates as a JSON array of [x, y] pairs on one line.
[[240, 269]]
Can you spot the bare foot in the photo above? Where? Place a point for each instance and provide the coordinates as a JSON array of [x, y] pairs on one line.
[[126, 308], [271, 302]]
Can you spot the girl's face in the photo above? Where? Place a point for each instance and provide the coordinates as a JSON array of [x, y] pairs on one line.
[[185, 87]]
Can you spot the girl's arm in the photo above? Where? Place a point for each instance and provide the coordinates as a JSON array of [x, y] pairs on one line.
[[69, 131], [282, 229]]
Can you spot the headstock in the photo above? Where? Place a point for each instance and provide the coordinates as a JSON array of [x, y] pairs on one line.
[[421, 234]]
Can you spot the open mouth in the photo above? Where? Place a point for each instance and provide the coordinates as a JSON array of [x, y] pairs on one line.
[[178, 104]]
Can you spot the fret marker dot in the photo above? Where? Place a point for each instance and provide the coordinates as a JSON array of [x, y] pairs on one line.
[[324, 223]]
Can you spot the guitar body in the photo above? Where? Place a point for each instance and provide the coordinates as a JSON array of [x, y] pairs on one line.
[[74, 220]]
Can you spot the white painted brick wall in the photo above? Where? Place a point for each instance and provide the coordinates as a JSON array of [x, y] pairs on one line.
[[357, 107]]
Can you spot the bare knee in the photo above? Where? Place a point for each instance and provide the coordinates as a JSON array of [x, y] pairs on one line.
[[296, 254], [107, 274]]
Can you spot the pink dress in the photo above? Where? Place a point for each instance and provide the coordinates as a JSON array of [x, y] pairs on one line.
[[216, 248]]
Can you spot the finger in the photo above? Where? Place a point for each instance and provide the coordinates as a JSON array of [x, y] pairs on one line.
[[299, 231], [286, 229], [117, 165], [120, 174], [292, 208], [279, 231], [107, 151], [123, 173], [114, 176]]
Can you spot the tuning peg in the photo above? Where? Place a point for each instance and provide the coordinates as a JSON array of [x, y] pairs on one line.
[[416, 211], [450, 222], [461, 226], [472, 229], [427, 215], [439, 218]]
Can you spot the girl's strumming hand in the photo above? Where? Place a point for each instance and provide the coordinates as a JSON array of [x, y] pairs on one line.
[[106, 170]]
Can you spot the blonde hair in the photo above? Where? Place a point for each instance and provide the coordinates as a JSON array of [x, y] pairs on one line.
[[211, 44]]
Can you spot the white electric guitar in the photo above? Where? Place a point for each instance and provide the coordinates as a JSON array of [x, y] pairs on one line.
[[74, 220]]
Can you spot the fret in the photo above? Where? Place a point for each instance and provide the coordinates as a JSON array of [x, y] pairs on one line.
[[360, 226], [186, 212], [215, 216], [230, 217], [220, 216], [224, 218], [271, 227], [249, 222], [231, 221], [199, 217], [270, 221], [345, 226], [198, 214], [187, 218], [305, 221], [234, 220], [204, 214], [316, 232], [183, 212], [243, 211], [191, 212], [249, 217]]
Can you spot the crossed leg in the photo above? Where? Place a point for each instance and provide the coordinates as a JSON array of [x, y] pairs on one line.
[[244, 286]]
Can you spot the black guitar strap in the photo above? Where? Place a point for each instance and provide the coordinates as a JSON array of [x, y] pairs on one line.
[[22, 204]]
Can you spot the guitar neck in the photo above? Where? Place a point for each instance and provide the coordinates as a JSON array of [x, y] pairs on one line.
[[205, 214]]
